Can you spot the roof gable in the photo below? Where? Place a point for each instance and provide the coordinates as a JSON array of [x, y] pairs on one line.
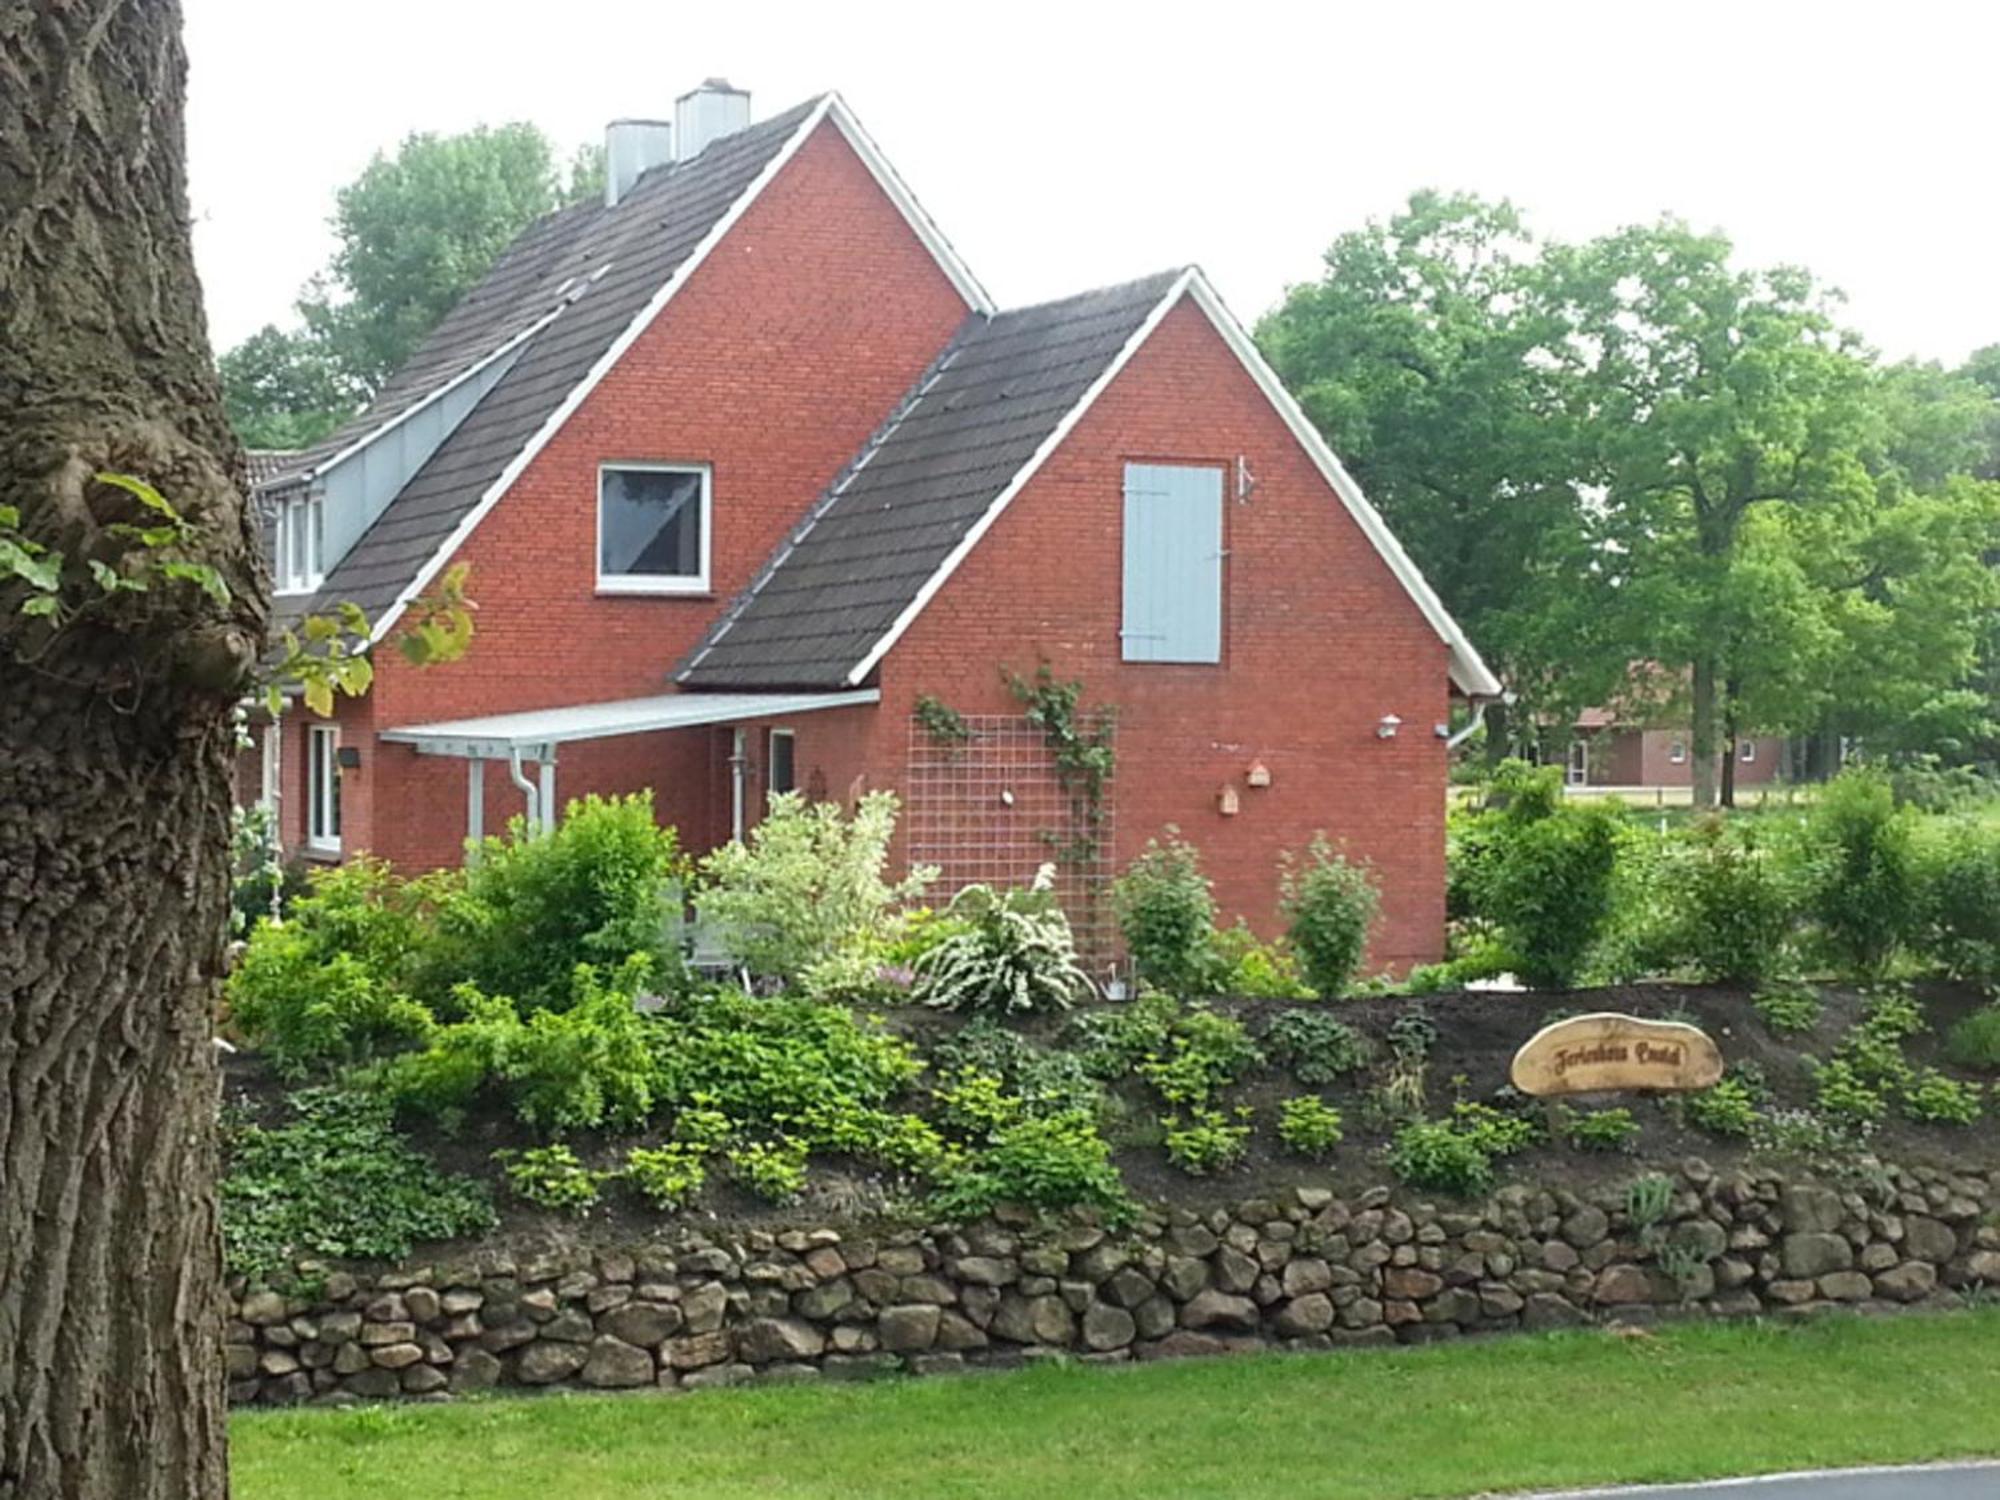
[[1005, 394], [564, 303]]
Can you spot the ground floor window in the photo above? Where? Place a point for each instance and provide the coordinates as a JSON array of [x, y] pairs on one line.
[[780, 773], [1677, 752], [1579, 762], [323, 787], [1747, 751]]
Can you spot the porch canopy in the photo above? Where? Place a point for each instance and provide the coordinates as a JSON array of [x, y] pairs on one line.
[[533, 735]]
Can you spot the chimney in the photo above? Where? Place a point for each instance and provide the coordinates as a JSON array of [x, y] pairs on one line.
[[630, 148], [707, 114]]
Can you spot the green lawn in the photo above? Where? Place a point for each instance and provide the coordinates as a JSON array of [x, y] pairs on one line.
[[1695, 1401]]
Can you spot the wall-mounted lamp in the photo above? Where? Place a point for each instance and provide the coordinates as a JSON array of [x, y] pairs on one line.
[[1259, 774], [1442, 731], [348, 757], [1386, 727], [1006, 796], [1225, 802]]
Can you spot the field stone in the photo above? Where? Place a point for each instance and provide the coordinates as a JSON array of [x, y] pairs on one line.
[[421, 1380], [1623, 1286], [475, 1370], [397, 1356], [1127, 1287], [696, 1351], [1307, 1314], [703, 1306], [1845, 1286], [1108, 1327], [1217, 1309], [955, 1332], [763, 1340], [546, 1363], [1547, 1310], [1154, 1317], [1234, 1271], [265, 1309], [909, 1328], [1909, 1282], [1308, 1274], [1184, 1276], [1815, 1253], [617, 1365], [1586, 1227], [1033, 1320], [1927, 1239], [641, 1323], [1810, 1210]]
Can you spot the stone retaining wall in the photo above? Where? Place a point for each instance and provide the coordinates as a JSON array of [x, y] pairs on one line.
[[1312, 1271]]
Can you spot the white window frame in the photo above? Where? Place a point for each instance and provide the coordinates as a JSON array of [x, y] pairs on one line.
[[771, 759], [1576, 772], [300, 569], [655, 583], [1746, 751], [322, 783], [1677, 752]]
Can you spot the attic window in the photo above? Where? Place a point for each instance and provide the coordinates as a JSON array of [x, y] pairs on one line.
[[300, 557], [653, 528]]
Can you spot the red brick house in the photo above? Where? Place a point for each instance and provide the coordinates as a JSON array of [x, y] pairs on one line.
[[745, 464], [1605, 752]]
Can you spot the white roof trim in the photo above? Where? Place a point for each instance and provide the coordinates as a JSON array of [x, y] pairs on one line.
[[1468, 671], [375, 435], [496, 735], [850, 128], [1001, 501]]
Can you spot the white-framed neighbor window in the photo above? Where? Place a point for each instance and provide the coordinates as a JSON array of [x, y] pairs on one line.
[[653, 528], [1578, 771], [1746, 751], [780, 763], [300, 563], [323, 788], [1677, 752]]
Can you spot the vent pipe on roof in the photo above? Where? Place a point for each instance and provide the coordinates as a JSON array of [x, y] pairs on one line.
[[631, 147], [708, 114]]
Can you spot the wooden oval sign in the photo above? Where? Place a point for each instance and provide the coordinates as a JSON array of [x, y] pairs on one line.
[[1596, 1053]]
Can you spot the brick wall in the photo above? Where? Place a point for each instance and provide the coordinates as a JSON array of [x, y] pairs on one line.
[[784, 351], [1319, 642]]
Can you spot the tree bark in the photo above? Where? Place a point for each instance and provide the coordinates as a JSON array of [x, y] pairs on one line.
[[115, 750], [1729, 750], [1701, 750]]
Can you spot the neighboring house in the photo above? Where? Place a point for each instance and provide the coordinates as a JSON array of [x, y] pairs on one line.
[[1603, 752], [745, 465]]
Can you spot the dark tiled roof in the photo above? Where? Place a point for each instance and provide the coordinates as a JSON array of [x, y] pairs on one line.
[[837, 585], [638, 246], [262, 465]]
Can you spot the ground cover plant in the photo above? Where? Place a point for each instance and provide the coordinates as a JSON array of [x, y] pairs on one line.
[[1687, 1401]]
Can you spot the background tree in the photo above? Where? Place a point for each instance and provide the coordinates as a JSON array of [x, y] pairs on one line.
[[1416, 353], [116, 749], [1983, 371], [417, 230]]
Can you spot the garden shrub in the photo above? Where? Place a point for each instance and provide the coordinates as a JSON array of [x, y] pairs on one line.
[[1494, 1131], [1204, 1053], [1975, 1041], [336, 1180], [1308, 1125], [1316, 1047], [551, 1177], [587, 1065], [815, 1070], [1039, 1162], [1930, 1098], [1045, 1080], [1731, 909], [805, 884], [669, 1177], [1239, 964], [329, 986], [1545, 874], [1603, 1130], [1727, 1109], [1166, 913], [1788, 1007], [775, 1170], [600, 888], [1113, 1041], [1431, 1154], [264, 882], [1862, 877], [976, 1103], [1842, 1095], [1328, 905], [1962, 900], [1208, 1140], [1016, 954]]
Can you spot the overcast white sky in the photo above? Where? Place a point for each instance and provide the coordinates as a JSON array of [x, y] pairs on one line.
[[1064, 146]]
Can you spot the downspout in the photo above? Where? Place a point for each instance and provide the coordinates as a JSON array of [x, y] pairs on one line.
[[738, 772], [1452, 742], [528, 789]]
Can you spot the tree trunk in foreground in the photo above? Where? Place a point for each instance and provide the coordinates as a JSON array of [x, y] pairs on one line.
[[115, 750], [1701, 747]]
